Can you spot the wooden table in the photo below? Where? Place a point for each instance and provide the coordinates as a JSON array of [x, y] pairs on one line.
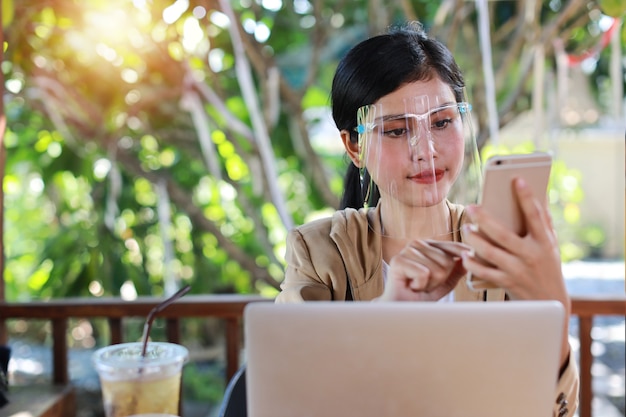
[[40, 401]]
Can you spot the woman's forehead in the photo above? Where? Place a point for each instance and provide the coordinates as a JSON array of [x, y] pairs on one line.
[[422, 95]]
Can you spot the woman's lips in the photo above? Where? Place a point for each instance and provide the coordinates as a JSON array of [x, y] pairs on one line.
[[428, 177]]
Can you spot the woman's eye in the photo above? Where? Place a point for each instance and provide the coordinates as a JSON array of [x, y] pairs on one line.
[[441, 124], [396, 133]]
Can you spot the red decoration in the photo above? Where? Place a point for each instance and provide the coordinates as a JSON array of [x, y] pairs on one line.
[[605, 39]]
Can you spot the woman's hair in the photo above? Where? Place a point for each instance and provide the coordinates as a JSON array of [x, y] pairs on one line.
[[376, 67]]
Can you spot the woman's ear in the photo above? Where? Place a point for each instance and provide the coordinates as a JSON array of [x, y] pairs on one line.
[[352, 148]]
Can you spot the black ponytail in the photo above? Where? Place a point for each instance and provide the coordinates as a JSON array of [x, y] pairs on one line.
[[354, 191]]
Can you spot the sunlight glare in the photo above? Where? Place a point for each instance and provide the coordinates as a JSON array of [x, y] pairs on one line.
[[272, 5], [130, 75], [302, 6], [132, 97], [108, 25], [216, 60], [128, 291], [14, 86], [12, 185], [136, 38], [29, 366], [159, 32], [249, 25], [227, 192], [125, 142], [95, 288], [40, 61], [54, 149], [307, 22], [192, 34], [262, 32], [106, 52], [134, 123], [589, 65], [337, 20], [220, 20], [36, 185], [175, 11], [101, 168], [605, 22]]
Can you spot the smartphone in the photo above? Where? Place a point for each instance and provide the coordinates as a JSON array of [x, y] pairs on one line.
[[498, 197]]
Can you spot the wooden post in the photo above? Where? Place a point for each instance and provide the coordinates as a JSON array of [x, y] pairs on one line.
[[115, 327], [172, 328], [232, 346], [585, 325], [60, 374]]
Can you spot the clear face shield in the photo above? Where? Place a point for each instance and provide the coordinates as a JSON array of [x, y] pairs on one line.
[[416, 154]]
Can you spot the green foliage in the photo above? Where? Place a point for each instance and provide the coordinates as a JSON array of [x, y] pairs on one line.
[[615, 8], [202, 385], [135, 157]]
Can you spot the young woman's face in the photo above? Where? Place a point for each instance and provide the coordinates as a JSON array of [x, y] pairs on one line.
[[415, 145]]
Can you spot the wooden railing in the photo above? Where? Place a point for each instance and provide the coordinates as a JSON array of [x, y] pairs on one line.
[[226, 307], [230, 308], [586, 308]]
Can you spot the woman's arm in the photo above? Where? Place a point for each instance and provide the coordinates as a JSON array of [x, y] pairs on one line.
[[566, 397], [528, 267], [302, 282]]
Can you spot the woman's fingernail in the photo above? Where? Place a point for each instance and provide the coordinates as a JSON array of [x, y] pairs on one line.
[[521, 183]]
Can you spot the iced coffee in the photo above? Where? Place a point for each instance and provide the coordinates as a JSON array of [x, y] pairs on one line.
[[136, 384]]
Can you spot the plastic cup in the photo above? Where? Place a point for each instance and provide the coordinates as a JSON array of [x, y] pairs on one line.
[[132, 384]]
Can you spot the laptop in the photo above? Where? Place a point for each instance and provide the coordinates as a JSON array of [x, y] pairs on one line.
[[327, 359]]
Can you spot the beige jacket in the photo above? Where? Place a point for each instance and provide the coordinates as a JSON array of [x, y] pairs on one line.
[[340, 258]]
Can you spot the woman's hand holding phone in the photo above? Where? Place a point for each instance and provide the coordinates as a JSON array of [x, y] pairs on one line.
[[528, 266], [522, 252], [502, 203]]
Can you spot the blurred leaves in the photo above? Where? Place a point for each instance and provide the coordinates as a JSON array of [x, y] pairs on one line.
[[134, 159]]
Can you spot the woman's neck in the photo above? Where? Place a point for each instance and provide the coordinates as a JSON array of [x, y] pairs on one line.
[[401, 224]]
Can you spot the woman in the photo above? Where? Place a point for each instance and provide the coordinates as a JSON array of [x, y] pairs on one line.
[[398, 102]]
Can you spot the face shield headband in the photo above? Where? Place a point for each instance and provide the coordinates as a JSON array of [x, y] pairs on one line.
[[418, 155]]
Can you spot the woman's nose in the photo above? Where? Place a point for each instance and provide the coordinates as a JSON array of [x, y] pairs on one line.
[[422, 145]]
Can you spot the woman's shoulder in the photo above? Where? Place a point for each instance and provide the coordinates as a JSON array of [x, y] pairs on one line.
[[341, 219]]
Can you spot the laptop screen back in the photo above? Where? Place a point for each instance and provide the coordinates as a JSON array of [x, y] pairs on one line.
[[327, 359]]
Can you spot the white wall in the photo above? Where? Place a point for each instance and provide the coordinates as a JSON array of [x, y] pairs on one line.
[[599, 155]]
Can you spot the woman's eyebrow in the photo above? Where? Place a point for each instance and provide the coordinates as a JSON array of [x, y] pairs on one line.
[[442, 107], [394, 116], [404, 115]]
